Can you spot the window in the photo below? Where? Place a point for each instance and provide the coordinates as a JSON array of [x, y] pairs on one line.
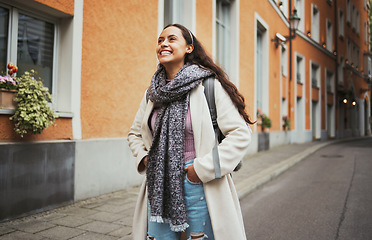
[[314, 75], [341, 27], [315, 23], [178, 11], [349, 50], [329, 81], [4, 23], [35, 44], [365, 33], [329, 35], [284, 7], [284, 65], [356, 55], [353, 17], [348, 11], [259, 68], [340, 70], [301, 13], [357, 22], [299, 69], [223, 34]]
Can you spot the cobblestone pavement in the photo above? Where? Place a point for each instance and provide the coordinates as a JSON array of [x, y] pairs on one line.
[[110, 216]]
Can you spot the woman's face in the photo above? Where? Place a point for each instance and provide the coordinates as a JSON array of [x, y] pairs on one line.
[[172, 47]]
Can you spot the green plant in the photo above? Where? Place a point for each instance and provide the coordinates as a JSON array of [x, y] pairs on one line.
[[286, 123], [33, 113], [266, 122]]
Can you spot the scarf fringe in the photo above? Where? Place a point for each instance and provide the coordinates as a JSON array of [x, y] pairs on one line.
[[174, 228]]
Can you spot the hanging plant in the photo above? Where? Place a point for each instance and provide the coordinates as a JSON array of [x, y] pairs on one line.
[[33, 113]]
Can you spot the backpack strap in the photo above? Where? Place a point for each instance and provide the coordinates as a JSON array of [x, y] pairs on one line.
[[208, 84]]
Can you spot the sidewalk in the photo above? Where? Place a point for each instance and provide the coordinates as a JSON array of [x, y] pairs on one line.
[[110, 216]]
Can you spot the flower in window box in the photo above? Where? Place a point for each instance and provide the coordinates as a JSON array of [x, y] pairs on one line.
[[8, 88]]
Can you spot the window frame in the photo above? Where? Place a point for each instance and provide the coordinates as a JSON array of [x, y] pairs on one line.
[[284, 60], [341, 23], [12, 47], [315, 32], [329, 35], [348, 12], [188, 20]]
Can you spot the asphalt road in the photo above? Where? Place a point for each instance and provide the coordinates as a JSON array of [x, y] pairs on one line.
[[326, 196]]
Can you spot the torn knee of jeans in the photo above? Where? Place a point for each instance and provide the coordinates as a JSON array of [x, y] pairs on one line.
[[150, 238], [197, 236]]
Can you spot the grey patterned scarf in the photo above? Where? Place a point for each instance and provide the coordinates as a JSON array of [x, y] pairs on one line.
[[165, 169]]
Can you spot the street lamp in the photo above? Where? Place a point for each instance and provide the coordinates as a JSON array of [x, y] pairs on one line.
[[294, 20]]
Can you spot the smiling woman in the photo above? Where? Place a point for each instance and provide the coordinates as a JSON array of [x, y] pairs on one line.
[[172, 138], [171, 50]]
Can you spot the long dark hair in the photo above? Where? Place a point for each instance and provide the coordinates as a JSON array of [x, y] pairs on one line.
[[200, 57]]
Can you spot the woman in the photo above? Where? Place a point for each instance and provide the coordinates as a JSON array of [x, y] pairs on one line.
[[172, 139]]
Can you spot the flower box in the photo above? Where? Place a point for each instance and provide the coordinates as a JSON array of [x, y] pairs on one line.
[[7, 99]]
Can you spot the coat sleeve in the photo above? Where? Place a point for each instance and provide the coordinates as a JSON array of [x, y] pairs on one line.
[[135, 139], [234, 146]]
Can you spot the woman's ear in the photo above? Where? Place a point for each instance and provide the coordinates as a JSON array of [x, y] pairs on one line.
[[189, 48]]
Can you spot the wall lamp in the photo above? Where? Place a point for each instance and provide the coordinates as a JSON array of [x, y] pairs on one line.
[[279, 39]]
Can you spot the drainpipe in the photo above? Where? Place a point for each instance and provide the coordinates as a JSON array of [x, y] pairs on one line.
[[336, 61], [290, 68]]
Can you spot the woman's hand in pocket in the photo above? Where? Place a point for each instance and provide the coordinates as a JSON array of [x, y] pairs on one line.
[[191, 174]]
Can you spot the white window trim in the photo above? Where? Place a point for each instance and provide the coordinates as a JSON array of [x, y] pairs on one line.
[[326, 70], [315, 29], [284, 71], [348, 11], [265, 75], [302, 67], [234, 41], [340, 70], [341, 26], [329, 36], [301, 14], [161, 15]]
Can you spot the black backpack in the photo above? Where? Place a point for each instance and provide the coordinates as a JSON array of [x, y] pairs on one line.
[[208, 84]]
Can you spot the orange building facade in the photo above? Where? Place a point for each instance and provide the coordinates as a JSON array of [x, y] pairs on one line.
[[103, 58]]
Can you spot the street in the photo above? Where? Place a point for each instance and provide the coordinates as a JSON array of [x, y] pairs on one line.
[[326, 196]]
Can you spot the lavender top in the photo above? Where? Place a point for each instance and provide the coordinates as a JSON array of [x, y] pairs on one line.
[[189, 153]]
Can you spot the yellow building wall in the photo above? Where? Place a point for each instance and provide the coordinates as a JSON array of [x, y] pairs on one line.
[[204, 24], [118, 61]]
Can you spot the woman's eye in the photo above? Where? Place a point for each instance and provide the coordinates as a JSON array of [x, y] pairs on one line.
[[160, 40]]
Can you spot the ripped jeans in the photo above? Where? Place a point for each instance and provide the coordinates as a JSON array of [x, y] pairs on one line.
[[197, 213]]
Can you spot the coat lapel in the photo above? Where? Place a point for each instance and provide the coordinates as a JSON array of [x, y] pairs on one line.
[[147, 136], [196, 102]]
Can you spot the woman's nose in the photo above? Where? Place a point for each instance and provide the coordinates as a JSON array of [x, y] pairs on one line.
[[164, 43]]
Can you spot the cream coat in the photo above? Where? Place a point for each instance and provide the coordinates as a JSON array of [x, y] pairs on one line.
[[221, 196]]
